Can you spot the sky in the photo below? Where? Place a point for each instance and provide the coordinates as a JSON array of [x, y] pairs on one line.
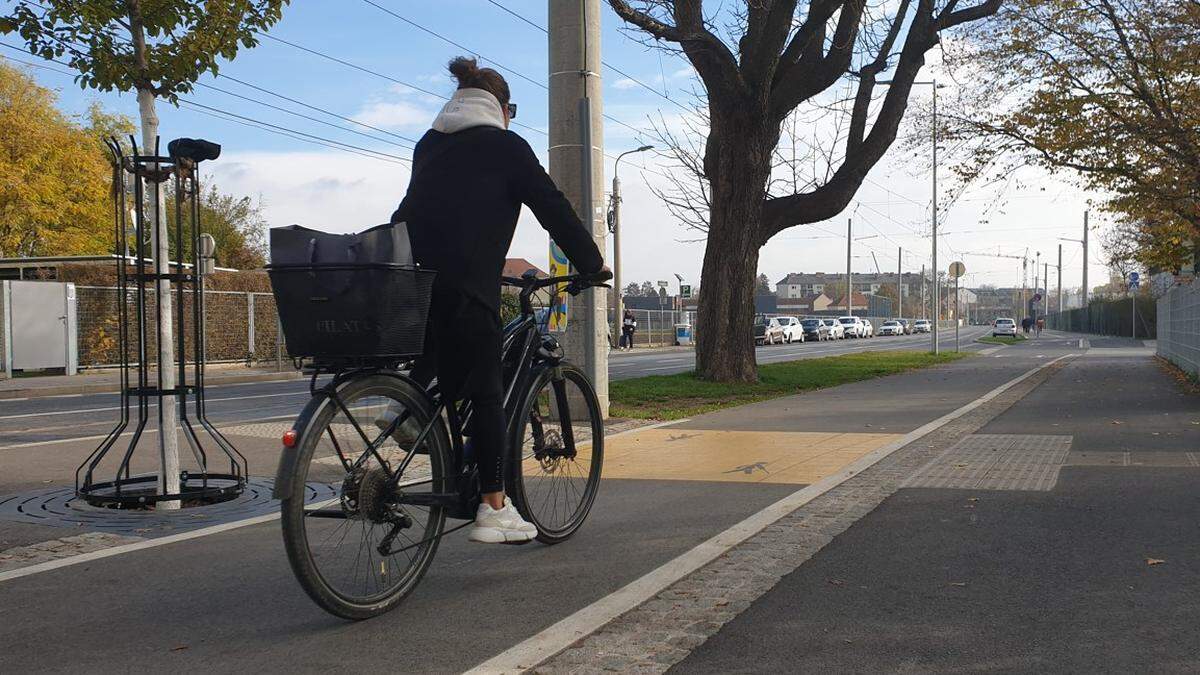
[[304, 182]]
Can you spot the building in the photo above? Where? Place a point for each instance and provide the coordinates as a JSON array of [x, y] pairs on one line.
[[515, 267], [800, 285], [859, 302], [993, 303], [810, 304]]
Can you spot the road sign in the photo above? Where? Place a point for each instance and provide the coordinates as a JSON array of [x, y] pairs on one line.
[[1037, 297], [957, 269], [662, 284], [685, 290], [1133, 277]]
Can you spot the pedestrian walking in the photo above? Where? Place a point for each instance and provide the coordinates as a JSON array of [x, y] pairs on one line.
[[628, 327]]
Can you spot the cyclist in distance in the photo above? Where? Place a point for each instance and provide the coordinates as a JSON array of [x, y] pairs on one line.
[[470, 176]]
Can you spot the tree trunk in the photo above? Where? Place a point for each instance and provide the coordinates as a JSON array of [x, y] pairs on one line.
[[738, 162], [157, 221]]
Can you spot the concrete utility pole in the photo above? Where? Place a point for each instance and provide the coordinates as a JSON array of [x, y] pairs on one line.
[[933, 213], [899, 283], [577, 167], [924, 299], [1085, 258], [849, 288], [1060, 298]]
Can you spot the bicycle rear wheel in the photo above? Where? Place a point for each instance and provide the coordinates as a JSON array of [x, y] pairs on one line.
[[556, 452], [360, 554]]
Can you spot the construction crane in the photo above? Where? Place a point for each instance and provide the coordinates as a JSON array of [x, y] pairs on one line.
[[1024, 258]]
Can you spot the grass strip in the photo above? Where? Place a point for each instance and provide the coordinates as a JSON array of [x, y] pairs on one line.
[[670, 397], [1001, 340]]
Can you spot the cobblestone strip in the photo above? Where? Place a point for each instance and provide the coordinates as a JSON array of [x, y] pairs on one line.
[[64, 547], [665, 629]]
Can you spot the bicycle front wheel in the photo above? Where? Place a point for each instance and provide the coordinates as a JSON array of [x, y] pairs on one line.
[[359, 554], [556, 452]]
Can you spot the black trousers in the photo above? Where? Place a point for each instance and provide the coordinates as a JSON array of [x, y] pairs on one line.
[[462, 349]]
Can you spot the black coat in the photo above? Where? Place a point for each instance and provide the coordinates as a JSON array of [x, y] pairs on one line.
[[461, 208]]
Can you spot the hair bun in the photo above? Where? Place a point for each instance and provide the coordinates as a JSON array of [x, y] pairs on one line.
[[463, 69]]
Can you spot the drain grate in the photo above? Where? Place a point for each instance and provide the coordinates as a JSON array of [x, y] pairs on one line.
[[58, 507], [996, 462]]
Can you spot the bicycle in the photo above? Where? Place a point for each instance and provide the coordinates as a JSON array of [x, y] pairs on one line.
[[392, 452]]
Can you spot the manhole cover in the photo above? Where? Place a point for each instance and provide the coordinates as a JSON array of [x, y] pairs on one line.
[[58, 507]]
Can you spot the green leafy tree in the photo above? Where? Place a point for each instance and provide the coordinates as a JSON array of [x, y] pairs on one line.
[[762, 285], [235, 223], [54, 177]]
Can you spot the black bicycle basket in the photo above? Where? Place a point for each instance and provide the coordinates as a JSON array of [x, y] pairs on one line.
[[349, 295]]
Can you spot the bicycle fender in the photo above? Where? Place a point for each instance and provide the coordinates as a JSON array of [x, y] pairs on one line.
[[289, 456]]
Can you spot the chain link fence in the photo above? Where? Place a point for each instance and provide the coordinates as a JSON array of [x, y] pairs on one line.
[[1109, 317], [238, 326], [1179, 327], [655, 328]]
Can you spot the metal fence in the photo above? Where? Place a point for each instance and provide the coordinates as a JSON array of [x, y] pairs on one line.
[[1179, 327], [655, 328], [1109, 317], [239, 326]]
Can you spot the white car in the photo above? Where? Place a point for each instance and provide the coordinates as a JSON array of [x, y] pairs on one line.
[[1004, 327], [891, 328], [792, 330], [836, 331], [922, 326], [870, 327], [853, 326]]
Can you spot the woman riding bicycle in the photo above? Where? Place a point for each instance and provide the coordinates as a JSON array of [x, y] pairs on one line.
[[470, 177]]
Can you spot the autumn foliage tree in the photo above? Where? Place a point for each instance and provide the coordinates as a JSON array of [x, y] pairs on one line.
[[1108, 90], [758, 61], [54, 178]]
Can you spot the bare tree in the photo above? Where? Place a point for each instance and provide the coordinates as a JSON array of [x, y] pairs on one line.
[[758, 64]]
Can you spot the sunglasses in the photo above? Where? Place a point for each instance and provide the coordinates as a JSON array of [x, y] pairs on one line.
[[512, 111]]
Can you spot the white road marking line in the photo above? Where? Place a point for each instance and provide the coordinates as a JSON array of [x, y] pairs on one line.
[[215, 529], [80, 411], [535, 650]]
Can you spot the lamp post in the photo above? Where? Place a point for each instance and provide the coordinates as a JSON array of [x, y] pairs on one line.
[[614, 226], [933, 216]]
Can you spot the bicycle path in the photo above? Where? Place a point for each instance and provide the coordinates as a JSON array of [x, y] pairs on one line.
[[228, 602]]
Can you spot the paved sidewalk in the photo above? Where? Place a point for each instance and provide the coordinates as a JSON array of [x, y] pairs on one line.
[[1069, 547], [251, 613]]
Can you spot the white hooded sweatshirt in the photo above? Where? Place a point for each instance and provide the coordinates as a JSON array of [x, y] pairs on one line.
[[469, 108]]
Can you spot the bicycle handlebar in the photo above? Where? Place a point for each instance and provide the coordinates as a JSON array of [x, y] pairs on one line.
[[575, 283]]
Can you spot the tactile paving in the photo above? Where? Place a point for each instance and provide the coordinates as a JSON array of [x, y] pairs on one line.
[[996, 462]]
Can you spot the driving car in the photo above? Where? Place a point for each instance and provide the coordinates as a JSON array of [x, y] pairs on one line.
[[891, 327], [1004, 326], [792, 330], [836, 330], [767, 330], [907, 325], [815, 329], [922, 326], [853, 326]]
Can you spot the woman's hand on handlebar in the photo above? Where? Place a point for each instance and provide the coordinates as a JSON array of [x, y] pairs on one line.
[[584, 281]]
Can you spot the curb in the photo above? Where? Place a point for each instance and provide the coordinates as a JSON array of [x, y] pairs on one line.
[[113, 387]]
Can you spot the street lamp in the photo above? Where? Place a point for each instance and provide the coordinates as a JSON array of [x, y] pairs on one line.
[[614, 226], [937, 295]]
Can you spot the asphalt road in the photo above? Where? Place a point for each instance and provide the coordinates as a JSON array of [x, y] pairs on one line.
[[56, 418]]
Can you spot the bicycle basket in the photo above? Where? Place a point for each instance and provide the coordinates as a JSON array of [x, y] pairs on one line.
[[352, 310]]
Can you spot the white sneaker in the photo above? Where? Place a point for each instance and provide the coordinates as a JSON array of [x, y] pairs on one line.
[[501, 526], [406, 435]]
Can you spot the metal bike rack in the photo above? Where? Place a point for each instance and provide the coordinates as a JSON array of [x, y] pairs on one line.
[[149, 174]]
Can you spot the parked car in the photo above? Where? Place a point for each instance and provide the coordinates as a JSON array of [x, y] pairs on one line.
[[907, 325], [792, 330], [1004, 326], [891, 327], [853, 326], [870, 327], [815, 329], [922, 326], [767, 330], [836, 330]]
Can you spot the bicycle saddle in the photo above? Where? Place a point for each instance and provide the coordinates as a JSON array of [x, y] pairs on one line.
[[195, 149]]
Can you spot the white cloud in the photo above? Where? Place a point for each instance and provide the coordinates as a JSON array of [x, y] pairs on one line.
[[395, 115], [625, 83]]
